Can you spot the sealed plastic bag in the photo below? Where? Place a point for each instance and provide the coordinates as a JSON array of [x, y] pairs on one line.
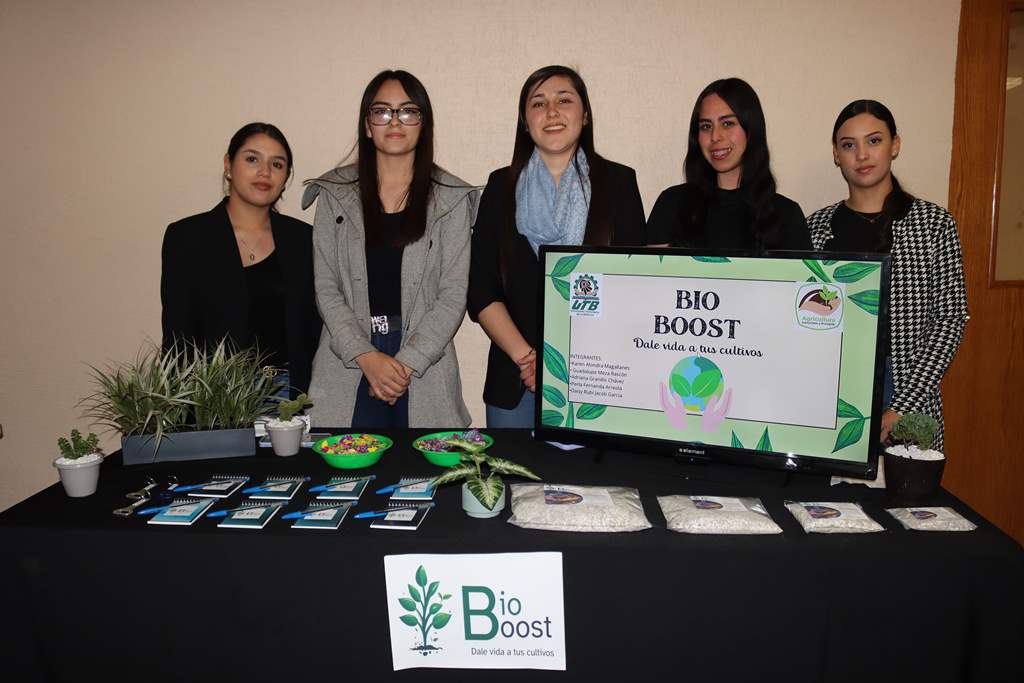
[[558, 507], [833, 518], [717, 515]]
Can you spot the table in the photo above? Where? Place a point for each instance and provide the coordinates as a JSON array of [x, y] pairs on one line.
[[90, 596]]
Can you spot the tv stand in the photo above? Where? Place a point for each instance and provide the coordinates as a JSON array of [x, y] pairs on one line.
[[705, 470]]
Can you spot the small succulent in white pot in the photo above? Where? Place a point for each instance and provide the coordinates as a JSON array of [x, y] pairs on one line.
[[286, 429], [913, 436], [483, 493], [79, 464]]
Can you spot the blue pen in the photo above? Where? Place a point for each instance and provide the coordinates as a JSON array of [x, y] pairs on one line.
[[150, 511], [383, 513], [324, 487], [193, 487], [309, 513], [225, 513], [262, 488], [400, 485]]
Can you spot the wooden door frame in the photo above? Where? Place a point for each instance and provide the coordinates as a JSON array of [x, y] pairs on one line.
[[984, 439], [997, 179]]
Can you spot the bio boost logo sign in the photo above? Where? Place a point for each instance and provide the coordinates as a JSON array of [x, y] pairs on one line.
[[499, 623]]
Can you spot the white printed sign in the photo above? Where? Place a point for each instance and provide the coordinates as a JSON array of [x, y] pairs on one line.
[[652, 334], [493, 611]]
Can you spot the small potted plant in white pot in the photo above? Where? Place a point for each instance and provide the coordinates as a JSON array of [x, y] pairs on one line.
[[79, 464], [483, 493], [913, 470], [286, 429]]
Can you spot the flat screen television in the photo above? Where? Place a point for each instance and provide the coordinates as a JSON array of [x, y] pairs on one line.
[[765, 360]]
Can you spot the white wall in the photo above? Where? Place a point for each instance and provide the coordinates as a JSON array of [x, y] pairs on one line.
[[116, 115]]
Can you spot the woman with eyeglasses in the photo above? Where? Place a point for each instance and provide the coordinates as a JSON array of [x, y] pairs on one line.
[[391, 258], [242, 270], [728, 200], [927, 297], [557, 190]]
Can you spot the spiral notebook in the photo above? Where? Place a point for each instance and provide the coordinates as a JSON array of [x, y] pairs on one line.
[[279, 488], [219, 486], [404, 516], [344, 488], [251, 516], [323, 516], [182, 512], [413, 489]]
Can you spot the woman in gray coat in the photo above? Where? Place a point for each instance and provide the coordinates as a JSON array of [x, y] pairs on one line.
[[391, 263]]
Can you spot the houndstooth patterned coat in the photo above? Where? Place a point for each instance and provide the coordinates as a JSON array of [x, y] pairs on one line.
[[927, 302]]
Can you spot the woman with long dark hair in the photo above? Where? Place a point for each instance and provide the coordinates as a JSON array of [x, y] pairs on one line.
[[557, 190], [242, 270], [391, 240], [729, 199], [927, 297]]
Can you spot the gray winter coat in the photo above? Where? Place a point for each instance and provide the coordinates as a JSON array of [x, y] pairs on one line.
[[435, 270]]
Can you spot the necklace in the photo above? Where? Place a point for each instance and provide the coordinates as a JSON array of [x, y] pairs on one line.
[[252, 252], [868, 217]]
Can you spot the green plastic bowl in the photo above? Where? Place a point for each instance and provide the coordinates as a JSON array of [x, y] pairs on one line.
[[351, 461], [445, 458]]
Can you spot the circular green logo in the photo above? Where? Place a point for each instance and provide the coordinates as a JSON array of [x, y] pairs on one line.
[[694, 380]]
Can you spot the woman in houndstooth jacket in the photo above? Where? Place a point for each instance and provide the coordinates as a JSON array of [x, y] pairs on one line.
[[927, 298]]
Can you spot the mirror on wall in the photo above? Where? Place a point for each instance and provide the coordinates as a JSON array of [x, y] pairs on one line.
[[1009, 243]]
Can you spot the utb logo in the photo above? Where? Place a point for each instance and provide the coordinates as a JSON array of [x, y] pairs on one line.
[[424, 611], [585, 286]]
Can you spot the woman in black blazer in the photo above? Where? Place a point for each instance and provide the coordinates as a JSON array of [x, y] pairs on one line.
[[557, 190], [242, 270]]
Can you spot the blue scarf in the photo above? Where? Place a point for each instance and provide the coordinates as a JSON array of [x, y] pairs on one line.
[[546, 214]]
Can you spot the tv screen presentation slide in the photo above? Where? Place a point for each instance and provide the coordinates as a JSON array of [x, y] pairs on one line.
[[770, 354]]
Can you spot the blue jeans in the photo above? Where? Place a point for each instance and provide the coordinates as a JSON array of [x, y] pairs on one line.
[[373, 413], [520, 416]]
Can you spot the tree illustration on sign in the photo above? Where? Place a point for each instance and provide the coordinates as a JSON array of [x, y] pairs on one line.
[[555, 364], [425, 613]]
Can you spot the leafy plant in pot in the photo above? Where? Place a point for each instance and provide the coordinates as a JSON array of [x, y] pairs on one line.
[[913, 470], [183, 403], [286, 429], [79, 464], [483, 493]]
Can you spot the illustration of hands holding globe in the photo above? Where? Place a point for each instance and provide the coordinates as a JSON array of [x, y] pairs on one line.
[[696, 384]]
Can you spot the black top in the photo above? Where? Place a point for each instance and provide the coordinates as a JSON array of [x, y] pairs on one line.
[[204, 288], [384, 267], [856, 231], [267, 312], [502, 387], [726, 225]]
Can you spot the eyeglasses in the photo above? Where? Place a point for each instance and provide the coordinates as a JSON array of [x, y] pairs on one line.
[[407, 116]]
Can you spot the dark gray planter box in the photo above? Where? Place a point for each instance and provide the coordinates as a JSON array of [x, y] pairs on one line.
[[218, 443]]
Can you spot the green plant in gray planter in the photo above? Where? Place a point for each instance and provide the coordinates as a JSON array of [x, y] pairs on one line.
[[79, 463], [913, 471], [183, 403], [286, 429], [483, 493]]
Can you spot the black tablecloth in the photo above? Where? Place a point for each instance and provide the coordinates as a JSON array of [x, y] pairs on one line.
[[91, 596]]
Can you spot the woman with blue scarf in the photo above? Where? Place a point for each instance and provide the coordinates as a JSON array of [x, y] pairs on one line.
[[557, 190]]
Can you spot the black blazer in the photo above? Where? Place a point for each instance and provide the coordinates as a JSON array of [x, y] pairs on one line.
[[204, 292], [502, 387]]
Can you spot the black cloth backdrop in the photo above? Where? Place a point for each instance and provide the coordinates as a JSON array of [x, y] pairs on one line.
[[90, 596]]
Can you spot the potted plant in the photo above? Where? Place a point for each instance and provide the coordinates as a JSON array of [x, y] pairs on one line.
[[183, 403], [483, 493], [286, 429], [79, 464], [913, 470]]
